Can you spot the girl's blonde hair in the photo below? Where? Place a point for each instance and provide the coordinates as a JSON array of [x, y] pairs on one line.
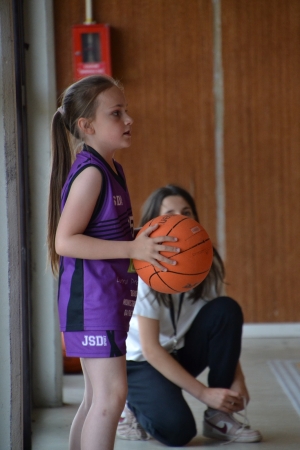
[[79, 100]]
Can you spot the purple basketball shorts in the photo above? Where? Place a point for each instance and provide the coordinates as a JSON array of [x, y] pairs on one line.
[[95, 344]]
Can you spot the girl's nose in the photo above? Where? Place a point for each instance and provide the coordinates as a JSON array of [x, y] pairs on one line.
[[128, 120]]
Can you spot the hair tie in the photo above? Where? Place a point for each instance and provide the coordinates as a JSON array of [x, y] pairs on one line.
[[61, 110]]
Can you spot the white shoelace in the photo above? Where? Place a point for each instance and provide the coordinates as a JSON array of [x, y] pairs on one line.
[[244, 423]]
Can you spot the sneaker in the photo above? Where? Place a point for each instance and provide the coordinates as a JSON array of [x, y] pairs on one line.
[[224, 427], [129, 428]]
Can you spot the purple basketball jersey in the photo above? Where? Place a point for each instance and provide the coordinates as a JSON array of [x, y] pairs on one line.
[[99, 294]]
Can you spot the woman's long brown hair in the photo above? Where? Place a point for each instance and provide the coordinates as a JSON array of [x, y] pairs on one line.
[[215, 278], [79, 100]]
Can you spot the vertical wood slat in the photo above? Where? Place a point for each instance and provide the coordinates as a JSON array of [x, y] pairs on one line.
[[262, 134]]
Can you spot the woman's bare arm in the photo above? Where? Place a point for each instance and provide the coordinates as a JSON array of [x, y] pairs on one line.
[[226, 400]]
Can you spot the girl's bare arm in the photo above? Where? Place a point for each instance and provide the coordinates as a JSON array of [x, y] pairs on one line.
[[70, 240]]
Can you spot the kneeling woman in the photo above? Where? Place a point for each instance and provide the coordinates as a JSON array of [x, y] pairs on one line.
[[172, 339]]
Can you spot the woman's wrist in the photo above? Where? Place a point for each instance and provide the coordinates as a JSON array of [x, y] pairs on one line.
[[201, 390]]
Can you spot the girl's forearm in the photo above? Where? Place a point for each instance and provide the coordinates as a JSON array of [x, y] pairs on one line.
[[143, 247], [162, 361], [86, 247]]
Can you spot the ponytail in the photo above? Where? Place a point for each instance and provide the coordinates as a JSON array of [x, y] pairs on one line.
[[62, 159], [79, 100]]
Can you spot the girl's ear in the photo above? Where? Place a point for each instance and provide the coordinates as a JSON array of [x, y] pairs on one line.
[[85, 126]]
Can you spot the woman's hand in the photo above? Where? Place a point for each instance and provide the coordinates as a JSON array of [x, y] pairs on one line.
[[149, 249], [225, 400], [228, 400]]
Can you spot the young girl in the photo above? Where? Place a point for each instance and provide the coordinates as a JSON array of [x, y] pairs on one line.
[[171, 340], [91, 228]]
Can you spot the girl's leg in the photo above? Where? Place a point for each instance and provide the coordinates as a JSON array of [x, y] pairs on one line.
[[159, 405], [214, 341], [77, 424], [108, 381]]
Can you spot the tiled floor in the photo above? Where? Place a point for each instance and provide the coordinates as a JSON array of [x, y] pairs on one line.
[[270, 410]]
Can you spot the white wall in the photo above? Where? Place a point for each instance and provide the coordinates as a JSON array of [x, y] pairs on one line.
[[11, 381], [41, 104], [46, 351]]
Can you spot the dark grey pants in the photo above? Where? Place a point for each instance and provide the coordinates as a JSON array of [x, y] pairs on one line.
[[214, 341]]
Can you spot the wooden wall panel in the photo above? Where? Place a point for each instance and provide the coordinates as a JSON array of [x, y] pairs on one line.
[[161, 51], [262, 160]]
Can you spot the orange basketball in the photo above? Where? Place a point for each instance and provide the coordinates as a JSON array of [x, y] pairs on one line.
[[193, 262]]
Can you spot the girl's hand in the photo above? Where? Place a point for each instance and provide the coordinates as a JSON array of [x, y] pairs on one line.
[[225, 400], [148, 249], [136, 230]]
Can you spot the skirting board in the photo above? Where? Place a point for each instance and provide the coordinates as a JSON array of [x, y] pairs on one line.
[[266, 330]]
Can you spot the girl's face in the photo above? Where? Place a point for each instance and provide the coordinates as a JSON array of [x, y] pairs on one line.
[[175, 204], [111, 127]]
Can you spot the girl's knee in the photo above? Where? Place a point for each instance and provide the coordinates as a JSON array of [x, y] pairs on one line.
[[180, 436], [174, 433], [226, 305]]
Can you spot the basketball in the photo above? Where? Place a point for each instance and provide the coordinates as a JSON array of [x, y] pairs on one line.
[[193, 262]]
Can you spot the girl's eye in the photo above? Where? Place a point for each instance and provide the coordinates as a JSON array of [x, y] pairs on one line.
[[117, 113], [187, 213]]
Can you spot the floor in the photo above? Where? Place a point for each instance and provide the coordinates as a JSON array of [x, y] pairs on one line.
[[270, 410]]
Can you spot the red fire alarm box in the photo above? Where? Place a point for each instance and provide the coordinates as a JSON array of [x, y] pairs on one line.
[[91, 50]]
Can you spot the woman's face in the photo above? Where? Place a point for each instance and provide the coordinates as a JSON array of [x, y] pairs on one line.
[[175, 204]]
